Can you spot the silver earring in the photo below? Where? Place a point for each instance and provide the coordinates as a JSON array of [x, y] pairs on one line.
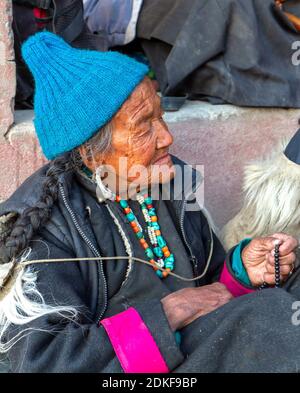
[[102, 191]]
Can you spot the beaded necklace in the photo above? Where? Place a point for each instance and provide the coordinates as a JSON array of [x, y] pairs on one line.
[[277, 270], [159, 254]]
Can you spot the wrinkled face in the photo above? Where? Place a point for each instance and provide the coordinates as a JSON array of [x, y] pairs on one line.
[[141, 138]]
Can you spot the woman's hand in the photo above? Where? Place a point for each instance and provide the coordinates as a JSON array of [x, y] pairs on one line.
[[184, 306], [258, 258]]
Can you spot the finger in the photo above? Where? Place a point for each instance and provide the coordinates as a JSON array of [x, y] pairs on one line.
[[270, 242], [284, 277], [284, 270], [281, 236], [270, 279], [289, 259], [288, 243]]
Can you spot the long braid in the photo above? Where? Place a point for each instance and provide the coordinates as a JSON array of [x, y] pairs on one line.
[[21, 301], [34, 218], [19, 231]]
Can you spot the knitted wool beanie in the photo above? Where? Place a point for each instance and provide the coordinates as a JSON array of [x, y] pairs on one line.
[[76, 91]]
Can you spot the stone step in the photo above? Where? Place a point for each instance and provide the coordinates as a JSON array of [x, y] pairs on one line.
[[221, 138]]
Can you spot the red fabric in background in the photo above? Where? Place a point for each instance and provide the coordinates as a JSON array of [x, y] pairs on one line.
[[39, 13]]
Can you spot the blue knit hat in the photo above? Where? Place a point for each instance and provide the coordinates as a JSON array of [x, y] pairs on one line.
[[76, 91]]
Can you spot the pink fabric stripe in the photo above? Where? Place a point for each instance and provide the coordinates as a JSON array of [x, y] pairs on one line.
[[232, 284], [133, 343]]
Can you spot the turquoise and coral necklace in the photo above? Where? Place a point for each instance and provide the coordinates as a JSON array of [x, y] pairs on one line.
[[159, 254]]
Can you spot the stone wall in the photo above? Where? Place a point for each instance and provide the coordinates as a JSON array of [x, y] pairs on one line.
[[7, 68]]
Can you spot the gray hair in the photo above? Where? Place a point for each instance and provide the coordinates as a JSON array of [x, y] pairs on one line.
[[100, 143]]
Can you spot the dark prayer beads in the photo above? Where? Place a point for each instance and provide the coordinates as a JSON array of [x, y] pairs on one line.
[[277, 270], [277, 266]]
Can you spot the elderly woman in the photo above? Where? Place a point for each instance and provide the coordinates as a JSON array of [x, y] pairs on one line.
[[76, 295]]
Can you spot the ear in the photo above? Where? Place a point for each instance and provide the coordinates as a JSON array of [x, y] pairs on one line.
[[92, 162], [86, 158]]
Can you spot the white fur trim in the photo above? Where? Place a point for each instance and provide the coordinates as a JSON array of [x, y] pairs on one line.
[[271, 200]]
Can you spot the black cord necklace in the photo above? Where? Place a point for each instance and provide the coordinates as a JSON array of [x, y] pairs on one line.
[[277, 270]]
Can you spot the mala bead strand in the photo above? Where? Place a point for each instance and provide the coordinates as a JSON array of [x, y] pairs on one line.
[[277, 269], [160, 249], [277, 266]]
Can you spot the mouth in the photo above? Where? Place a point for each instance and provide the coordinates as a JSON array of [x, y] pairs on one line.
[[163, 159]]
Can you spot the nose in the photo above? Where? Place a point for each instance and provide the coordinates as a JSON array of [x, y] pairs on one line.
[[164, 137]]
